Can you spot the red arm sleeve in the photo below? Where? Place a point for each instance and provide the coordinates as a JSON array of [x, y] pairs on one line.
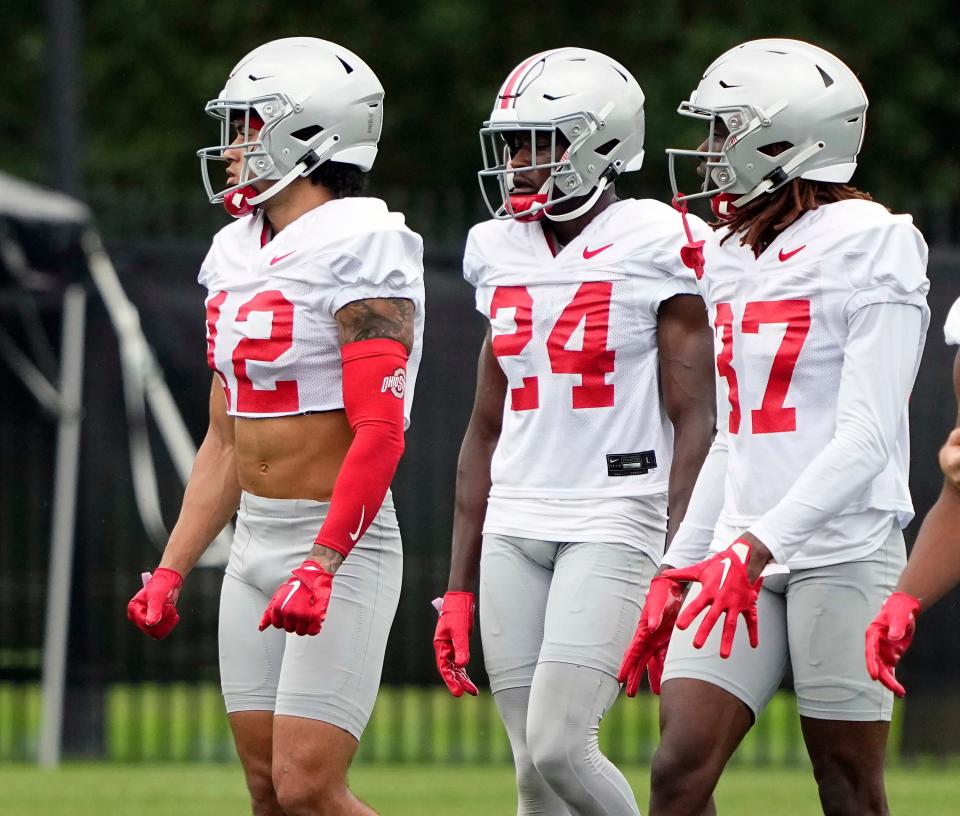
[[374, 379]]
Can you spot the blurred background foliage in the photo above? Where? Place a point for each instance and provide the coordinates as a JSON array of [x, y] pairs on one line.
[[148, 68]]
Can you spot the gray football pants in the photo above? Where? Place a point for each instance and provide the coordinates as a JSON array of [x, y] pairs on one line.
[[555, 619], [333, 676]]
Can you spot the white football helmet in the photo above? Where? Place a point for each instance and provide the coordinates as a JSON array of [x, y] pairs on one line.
[[588, 98], [316, 101], [780, 92]]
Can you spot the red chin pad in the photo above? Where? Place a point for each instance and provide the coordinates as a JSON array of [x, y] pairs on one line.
[[517, 206], [722, 205], [237, 203]]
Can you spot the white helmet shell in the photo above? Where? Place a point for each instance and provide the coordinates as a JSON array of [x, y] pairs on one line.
[[780, 92], [317, 101], [588, 98]]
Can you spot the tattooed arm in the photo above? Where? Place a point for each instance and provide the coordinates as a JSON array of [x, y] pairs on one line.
[[390, 318], [371, 319]]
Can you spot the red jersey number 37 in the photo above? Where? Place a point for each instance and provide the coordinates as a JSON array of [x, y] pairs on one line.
[[773, 416]]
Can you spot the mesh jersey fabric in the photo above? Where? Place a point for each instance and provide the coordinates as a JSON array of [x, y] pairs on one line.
[[781, 324], [271, 327], [951, 326], [576, 337]]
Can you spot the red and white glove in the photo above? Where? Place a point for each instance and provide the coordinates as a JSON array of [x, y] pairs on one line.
[[889, 636], [154, 608], [648, 649], [451, 641], [300, 604], [726, 590]]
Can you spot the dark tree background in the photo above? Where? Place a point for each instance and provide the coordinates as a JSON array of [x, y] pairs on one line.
[[148, 68]]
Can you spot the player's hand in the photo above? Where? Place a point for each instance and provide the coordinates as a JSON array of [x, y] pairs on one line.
[[451, 641], [154, 608], [889, 636], [648, 649], [726, 590], [300, 604], [950, 457]]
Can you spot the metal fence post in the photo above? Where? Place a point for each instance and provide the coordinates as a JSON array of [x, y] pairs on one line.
[[64, 516]]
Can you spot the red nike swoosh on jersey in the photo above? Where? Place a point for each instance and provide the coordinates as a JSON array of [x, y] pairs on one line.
[[589, 253], [277, 258], [786, 256]]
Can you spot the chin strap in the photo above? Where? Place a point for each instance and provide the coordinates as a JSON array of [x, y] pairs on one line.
[[237, 202], [779, 175], [598, 190], [530, 207], [282, 184], [723, 205], [527, 208], [691, 253], [301, 168]]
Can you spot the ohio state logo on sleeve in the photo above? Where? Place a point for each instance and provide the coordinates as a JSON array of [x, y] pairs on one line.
[[395, 383]]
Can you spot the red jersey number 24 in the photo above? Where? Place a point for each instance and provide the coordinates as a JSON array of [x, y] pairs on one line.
[[593, 361], [772, 416]]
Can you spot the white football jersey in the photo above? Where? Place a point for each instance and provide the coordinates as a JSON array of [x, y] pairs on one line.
[[271, 332], [576, 337], [781, 322], [951, 327]]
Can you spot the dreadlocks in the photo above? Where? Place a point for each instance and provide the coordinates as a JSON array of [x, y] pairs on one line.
[[762, 220]]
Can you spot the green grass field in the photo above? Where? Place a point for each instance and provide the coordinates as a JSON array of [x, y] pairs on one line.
[[411, 790], [168, 752]]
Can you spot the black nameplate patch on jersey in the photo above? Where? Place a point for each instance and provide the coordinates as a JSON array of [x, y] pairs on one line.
[[631, 464]]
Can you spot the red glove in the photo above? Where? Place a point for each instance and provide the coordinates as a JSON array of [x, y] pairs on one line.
[[648, 649], [300, 604], [451, 641], [726, 591], [889, 636], [154, 608]]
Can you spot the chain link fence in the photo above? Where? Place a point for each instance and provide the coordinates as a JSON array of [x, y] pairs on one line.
[[131, 699]]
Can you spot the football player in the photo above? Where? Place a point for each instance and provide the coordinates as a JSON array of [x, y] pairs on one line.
[[934, 565], [594, 410], [314, 322], [817, 295]]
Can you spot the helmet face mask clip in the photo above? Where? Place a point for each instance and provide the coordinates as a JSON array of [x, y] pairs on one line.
[[717, 171], [498, 179], [262, 114]]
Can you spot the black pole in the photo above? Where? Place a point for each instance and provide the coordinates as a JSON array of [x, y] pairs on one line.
[[65, 83], [83, 733]]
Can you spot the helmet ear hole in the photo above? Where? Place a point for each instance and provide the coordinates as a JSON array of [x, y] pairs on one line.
[[775, 148], [306, 134], [607, 147]]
